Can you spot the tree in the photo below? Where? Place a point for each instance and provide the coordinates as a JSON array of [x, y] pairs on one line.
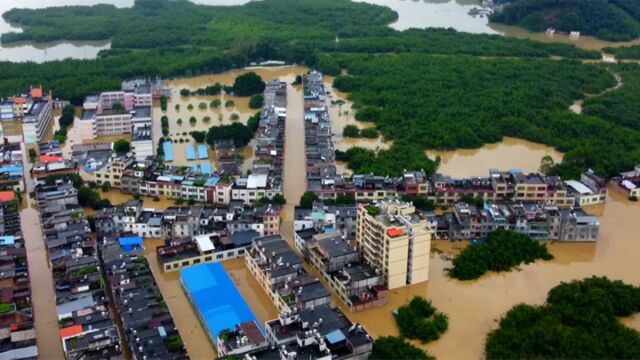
[[32, 155], [121, 146], [163, 103], [229, 104], [67, 117], [420, 320], [202, 105], [117, 107], [392, 347], [191, 202], [198, 136], [578, 321], [369, 133], [307, 199], [546, 164], [278, 199], [248, 84], [502, 251], [215, 103], [239, 133], [256, 101], [190, 107], [193, 120], [234, 117], [106, 186], [136, 195], [351, 131], [185, 92]]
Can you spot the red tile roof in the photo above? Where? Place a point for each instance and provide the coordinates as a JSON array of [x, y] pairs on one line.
[[7, 196], [50, 158], [70, 331], [395, 232]]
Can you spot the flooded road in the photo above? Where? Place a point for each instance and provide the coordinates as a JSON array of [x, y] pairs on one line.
[[42, 291], [508, 154]]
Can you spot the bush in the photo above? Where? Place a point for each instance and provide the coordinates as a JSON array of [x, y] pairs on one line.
[[351, 131], [633, 198], [198, 136], [121, 146], [248, 84], [256, 101], [67, 117], [202, 106], [229, 104], [185, 92], [193, 120], [163, 103], [420, 320], [234, 117], [177, 107], [206, 119], [579, 321], [392, 347], [369, 133], [178, 201], [106, 186], [190, 107], [179, 121], [215, 103], [307, 199], [502, 251]]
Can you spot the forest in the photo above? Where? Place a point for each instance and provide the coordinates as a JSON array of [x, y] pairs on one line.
[[474, 101], [501, 251], [615, 20], [578, 321]]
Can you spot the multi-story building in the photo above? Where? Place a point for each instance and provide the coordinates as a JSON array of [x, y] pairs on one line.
[[128, 111], [590, 190], [329, 218], [396, 239], [11, 169], [357, 284], [629, 183], [87, 330], [280, 273], [34, 109], [539, 222], [18, 340], [512, 185]]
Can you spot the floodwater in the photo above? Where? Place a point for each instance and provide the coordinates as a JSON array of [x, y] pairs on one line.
[[42, 293], [507, 154], [217, 117]]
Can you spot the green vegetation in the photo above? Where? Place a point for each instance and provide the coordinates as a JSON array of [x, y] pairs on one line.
[[202, 105], [502, 251], [193, 120], [248, 84], [277, 199], [198, 136], [177, 107], [579, 321], [486, 103], [372, 210], [420, 320], [190, 107], [392, 347], [392, 162], [68, 114], [5, 308], [91, 198], [173, 343], [33, 156], [256, 101], [206, 119], [341, 199], [420, 202], [477, 201], [354, 132], [121, 146], [239, 133], [185, 92], [215, 103], [234, 117], [163, 103], [164, 121], [624, 52], [222, 38], [307, 199], [229, 104], [615, 20], [106, 186]]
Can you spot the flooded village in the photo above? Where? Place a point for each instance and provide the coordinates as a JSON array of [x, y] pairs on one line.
[[190, 221], [166, 230]]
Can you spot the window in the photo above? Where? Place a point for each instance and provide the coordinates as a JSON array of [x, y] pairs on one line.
[[219, 256]]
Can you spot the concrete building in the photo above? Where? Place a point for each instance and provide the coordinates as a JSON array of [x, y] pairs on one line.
[[34, 109], [629, 183], [396, 239], [590, 190]]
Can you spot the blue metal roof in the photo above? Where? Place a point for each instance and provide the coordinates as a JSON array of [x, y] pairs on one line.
[[212, 181], [335, 337], [214, 297]]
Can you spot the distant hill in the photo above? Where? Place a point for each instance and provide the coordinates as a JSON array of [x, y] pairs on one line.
[[614, 20]]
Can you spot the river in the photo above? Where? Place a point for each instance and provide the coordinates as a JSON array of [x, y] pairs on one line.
[[411, 14]]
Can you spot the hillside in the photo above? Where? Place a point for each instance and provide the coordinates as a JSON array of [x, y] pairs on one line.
[[614, 20]]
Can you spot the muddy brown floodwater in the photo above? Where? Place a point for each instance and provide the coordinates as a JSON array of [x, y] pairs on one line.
[[42, 292], [506, 154]]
